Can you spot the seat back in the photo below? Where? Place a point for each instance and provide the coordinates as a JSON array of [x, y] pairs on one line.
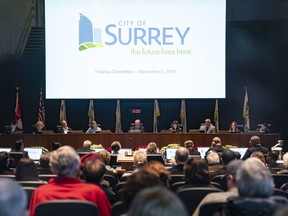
[[46, 177], [221, 179], [66, 207], [16, 156], [112, 180], [279, 180], [31, 183], [210, 208], [29, 191], [118, 209], [177, 185], [176, 178], [120, 186], [192, 196]]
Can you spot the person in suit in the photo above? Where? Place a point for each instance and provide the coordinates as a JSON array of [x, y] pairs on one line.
[[137, 126], [86, 147], [207, 127], [93, 128], [19, 147], [190, 146], [64, 128], [255, 146], [264, 129], [12, 128], [181, 157]]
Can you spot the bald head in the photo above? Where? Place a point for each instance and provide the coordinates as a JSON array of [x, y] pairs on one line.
[[255, 140], [182, 155]]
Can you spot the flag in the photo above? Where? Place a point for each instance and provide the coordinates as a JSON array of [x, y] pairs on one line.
[[18, 111], [62, 111], [246, 112], [41, 113], [183, 116], [216, 116], [91, 112], [156, 116], [118, 127]]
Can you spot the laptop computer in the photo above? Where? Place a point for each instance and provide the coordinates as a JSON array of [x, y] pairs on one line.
[[34, 153]]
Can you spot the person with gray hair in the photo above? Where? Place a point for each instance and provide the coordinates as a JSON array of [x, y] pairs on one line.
[[213, 161], [13, 200], [181, 157], [156, 201], [255, 186], [255, 144], [86, 147], [65, 163], [285, 164]]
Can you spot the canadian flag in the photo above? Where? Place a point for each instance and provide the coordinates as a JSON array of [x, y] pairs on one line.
[[18, 111]]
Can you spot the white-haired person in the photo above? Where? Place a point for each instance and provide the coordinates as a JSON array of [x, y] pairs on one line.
[[285, 164], [86, 147], [255, 187], [65, 163], [13, 200], [93, 128]]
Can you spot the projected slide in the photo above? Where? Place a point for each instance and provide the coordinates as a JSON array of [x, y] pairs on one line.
[[135, 48]]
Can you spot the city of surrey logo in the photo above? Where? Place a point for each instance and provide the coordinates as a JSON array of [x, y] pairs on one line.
[[89, 37]]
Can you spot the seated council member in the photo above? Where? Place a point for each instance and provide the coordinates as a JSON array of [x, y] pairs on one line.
[[137, 126], [93, 128], [175, 127], [207, 127], [64, 128], [39, 127], [13, 128], [234, 128]]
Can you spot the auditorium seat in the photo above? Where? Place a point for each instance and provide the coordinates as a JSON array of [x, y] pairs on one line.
[[112, 180], [210, 208], [279, 192], [118, 209], [66, 207], [221, 179], [29, 191], [192, 196], [119, 186], [176, 185], [176, 178], [46, 177], [31, 183], [279, 180]]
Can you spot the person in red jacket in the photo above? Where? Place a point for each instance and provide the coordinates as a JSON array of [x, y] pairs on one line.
[[65, 163]]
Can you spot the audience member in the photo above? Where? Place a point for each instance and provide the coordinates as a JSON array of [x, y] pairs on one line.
[[137, 182], [227, 156], [26, 170], [86, 147], [158, 169], [175, 128], [213, 161], [39, 127], [181, 157], [255, 146], [139, 160], [216, 145], [152, 148], [44, 164], [19, 147], [94, 171], [64, 129], [196, 173], [234, 128], [93, 128], [231, 171], [255, 186], [137, 126], [260, 156], [65, 163], [285, 164], [13, 200], [156, 201], [4, 164], [271, 160], [56, 145], [190, 146], [207, 127], [237, 155], [106, 160], [115, 147]]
